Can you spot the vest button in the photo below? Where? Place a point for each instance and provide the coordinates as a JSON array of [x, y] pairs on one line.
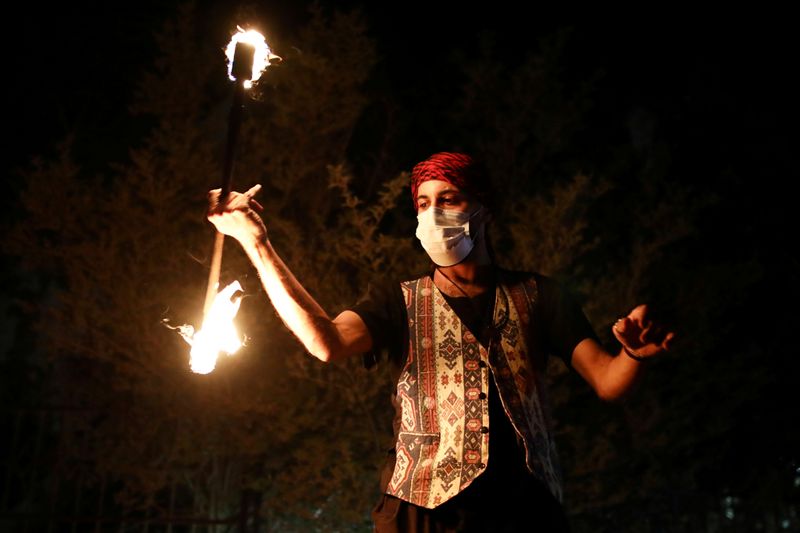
[[482, 465], [484, 429], [482, 363], [482, 396]]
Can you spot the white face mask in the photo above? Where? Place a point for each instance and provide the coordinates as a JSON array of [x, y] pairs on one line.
[[447, 235]]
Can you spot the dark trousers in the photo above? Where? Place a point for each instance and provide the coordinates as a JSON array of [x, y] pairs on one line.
[[493, 503]]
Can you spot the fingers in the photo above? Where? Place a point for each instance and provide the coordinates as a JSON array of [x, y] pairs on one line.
[[621, 328], [235, 200], [647, 331], [248, 197], [238, 215], [639, 332], [213, 200], [666, 344], [636, 323], [238, 200], [639, 313], [253, 190]]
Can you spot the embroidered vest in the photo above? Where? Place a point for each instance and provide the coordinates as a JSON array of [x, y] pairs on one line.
[[443, 440]]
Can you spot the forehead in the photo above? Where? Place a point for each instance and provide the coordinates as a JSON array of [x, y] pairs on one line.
[[432, 188]]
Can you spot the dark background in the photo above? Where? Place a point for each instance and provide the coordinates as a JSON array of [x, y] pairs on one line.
[[718, 81], [716, 88]]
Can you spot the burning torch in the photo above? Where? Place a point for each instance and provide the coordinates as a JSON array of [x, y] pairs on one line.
[[241, 71], [248, 55]]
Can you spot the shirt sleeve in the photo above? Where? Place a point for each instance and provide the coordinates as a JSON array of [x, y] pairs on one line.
[[565, 323], [384, 313]]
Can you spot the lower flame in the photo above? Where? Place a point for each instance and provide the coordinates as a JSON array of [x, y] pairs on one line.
[[218, 333]]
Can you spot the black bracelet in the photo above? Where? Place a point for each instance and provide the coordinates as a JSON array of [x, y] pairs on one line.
[[633, 355]]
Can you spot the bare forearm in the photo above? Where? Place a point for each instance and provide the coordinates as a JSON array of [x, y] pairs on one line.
[[298, 310], [612, 377], [621, 376]]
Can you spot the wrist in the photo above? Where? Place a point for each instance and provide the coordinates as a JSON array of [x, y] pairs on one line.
[[632, 355], [253, 241]]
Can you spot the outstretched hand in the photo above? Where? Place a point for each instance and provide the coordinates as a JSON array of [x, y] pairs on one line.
[[239, 216], [640, 336]]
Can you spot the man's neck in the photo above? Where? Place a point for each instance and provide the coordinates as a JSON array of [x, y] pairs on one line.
[[470, 277]]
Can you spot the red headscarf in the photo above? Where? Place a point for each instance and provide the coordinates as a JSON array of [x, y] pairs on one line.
[[458, 169]]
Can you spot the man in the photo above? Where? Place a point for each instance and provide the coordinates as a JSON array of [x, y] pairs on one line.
[[468, 342]]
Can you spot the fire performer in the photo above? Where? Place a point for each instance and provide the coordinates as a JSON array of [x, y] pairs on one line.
[[468, 342]]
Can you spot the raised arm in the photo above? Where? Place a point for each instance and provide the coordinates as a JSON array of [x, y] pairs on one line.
[[324, 338], [614, 376]]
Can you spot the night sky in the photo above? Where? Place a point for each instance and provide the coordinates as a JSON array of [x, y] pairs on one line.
[[715, 86], [73, 67]]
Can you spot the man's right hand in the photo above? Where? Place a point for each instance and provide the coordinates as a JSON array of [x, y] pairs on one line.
[[239, 217]]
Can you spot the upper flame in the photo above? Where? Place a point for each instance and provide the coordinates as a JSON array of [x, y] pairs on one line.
[[218, 333], [262, 56]]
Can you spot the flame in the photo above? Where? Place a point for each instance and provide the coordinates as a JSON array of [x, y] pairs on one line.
[[218, 333], [262, 57]]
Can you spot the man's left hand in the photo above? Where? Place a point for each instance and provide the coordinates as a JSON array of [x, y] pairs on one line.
[[642, 337]]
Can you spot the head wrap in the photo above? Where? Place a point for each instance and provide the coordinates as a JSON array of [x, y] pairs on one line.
[[458, 169]]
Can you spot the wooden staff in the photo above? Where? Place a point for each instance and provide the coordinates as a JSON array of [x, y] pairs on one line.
[[241, 71]]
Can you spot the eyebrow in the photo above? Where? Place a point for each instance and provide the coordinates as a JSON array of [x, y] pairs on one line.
[[440, 193]]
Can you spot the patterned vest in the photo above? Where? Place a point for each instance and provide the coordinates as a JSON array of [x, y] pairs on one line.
[[443, 440]]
